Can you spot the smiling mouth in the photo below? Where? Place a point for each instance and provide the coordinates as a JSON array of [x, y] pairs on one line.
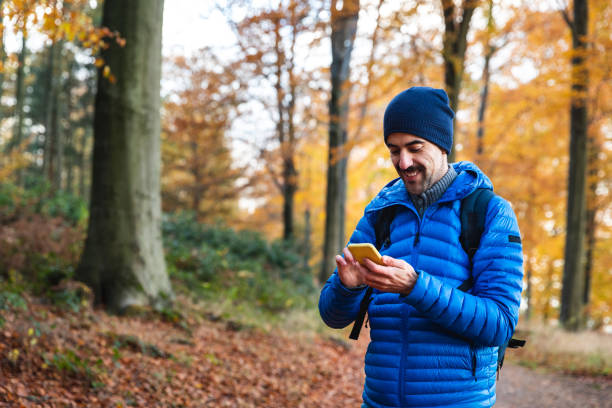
[[411, 172]]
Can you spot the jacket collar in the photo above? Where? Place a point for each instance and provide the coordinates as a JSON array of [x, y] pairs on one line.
[[469, 177]]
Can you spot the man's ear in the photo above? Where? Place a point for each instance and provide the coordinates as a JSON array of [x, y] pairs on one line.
[[444, 156]]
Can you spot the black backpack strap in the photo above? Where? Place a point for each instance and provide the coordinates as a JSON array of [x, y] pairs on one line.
[[382, 232], [501, 352], [516, 343], [382, 228], [363, 308], [473, 216]]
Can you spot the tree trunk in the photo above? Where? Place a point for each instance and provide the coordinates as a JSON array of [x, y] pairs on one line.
[[591, 223], [589, 253], [53, 155], [486, 79], [572, 294], [285, 100], [2, 58], [19, 105], [123, 259], [20, 93], [82, 171], [454, 47], [196, 190], [344, 28], [58, 134], [70, 130], [547, 312], [50, 145], [484, 96], [289, 190], [290, 174], [307, 239]]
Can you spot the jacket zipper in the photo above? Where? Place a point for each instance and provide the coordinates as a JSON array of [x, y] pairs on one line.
[[413, 261], [474, 360], [417, 239]]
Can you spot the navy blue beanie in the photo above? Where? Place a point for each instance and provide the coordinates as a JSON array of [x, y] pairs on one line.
[[423, 112]]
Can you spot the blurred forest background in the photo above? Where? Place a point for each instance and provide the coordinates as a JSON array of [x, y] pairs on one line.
[[262, 151]]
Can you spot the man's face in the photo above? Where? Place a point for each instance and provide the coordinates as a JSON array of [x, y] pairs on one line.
[[417, 161]]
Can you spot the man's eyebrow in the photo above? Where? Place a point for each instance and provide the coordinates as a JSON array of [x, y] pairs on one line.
[[414, 142]]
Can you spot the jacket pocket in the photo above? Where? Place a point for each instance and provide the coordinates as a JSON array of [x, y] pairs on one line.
[[474, 360]]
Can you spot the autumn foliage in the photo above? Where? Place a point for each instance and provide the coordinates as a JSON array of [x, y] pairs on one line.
[[199, 173], [244, 163]]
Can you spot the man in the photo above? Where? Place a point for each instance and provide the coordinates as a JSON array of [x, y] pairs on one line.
[[432, 345]]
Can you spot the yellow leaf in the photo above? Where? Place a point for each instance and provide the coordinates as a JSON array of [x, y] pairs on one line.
[[13, 355], [66, 27]]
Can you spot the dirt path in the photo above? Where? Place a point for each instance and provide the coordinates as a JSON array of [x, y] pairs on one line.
[[97, 360], [523, 387]]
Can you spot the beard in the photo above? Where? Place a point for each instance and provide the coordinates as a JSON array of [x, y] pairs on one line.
[[416, 179]]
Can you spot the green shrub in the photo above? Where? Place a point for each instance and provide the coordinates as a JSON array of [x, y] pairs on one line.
[[10, 299], [38, 198], [239, 265], [70, 364], [41, 234]]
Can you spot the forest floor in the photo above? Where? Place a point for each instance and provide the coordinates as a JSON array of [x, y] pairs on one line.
[[55, 358]]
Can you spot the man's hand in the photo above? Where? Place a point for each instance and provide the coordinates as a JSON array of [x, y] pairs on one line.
[[397, 276], [351, 272]]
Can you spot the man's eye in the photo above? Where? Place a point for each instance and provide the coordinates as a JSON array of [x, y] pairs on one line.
[[394, 152], [415, 149]]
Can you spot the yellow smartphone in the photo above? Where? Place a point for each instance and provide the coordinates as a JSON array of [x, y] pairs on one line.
[[362, 251]]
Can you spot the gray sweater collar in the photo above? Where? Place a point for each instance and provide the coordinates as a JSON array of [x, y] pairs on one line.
[[433, 194]]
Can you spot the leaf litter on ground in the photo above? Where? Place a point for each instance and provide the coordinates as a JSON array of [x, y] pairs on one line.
[[54, 357]]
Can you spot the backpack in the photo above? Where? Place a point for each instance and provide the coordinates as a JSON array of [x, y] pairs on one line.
[[473, 214]]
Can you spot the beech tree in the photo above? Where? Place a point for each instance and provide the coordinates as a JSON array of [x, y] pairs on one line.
[[344, 29], [20, 91], [456, 27], [572, 295], [2, 55], [123, 260]]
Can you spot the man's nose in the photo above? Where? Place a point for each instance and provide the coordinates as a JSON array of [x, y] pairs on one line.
[[405, 160]]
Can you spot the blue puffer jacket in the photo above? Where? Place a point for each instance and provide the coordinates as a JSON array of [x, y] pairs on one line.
[[437, 346]]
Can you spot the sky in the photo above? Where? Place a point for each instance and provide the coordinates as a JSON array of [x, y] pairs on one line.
[[188, 26], [192, 24]]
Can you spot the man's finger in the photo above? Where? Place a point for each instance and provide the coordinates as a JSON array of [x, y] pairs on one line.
[[390, 261], [373, 266], [347, 255], [340, 261]]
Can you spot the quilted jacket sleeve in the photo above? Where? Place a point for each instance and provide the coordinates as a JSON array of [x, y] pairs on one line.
[[488, 314], [338, 305]]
